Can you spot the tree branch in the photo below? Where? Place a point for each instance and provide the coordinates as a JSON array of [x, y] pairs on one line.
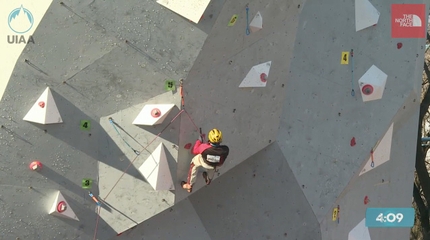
[[420, 166], [423, 212]]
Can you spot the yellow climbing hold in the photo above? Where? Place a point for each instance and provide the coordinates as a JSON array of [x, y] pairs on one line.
[[335, 211], [232, 20]]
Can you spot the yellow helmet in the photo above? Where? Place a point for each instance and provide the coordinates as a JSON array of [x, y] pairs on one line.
[[215, 136]]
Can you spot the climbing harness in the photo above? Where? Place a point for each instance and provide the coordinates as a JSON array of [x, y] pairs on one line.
[[372, 163], [247, 20], [119, 134], [352, 73]]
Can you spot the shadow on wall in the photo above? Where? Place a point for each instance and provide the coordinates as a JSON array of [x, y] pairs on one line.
[[96, 143], [63, 181], [171, 133], [210, 16], [173, 166], [87, 220]]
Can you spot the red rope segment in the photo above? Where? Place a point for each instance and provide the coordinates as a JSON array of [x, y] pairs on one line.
[[181, 91], [131, 163], [97, 224]]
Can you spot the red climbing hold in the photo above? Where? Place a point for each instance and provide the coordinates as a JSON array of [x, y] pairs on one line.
[[263, 77], [366, 200], [188, 146], [41, 104], [155, 113], [353, 142], [399, 45], [35, 165], [367, 89], [61, 207]]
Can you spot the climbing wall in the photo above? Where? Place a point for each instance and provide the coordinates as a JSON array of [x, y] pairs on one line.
[[95, 69], [251, 68], [319, 113], [351, 115]]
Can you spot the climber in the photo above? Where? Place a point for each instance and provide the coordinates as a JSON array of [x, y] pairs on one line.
[[209, 156]]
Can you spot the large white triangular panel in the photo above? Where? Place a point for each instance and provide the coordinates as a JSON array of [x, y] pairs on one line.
[[189, 9], [257, 76], [360, 232], [256, 23], [156, 170], [153, 114], [372, 84], [366, 15], [61, 208], [44, 110], [382, 152]]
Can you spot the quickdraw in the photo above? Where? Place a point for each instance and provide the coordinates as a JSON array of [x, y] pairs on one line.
[[352, 73], [372, 164], [247, 20], [181, 91], [119, 134]]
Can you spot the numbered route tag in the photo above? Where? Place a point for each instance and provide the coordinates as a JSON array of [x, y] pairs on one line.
[[170, 85], [232, 20], [344, 58], [87, 183], [85, 125], [335, 212]]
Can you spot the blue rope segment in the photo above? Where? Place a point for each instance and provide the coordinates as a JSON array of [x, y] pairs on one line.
[[352, 73], [119, 134], [247, 20]]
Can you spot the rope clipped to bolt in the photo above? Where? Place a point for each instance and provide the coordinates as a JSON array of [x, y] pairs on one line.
[[181, 91], [174, 118], [145, 148]]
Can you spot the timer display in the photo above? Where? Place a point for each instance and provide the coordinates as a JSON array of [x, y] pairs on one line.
[[390, 217]]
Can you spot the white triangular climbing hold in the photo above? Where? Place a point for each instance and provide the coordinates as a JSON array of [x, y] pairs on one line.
[[360, 232], [156, 170], [366, 15], [153, 114], [61, 208], [372, 84], [44, 110], [256, 23], [257, 76], [382, 152]]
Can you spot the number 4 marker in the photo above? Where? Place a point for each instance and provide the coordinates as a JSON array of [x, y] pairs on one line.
[[85, 125], [344, 60]]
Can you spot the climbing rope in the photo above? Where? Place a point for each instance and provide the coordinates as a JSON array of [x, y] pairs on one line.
[[97, 223], [119, 134], [352, 73], [247, 20], [134, 159], [145, 148], [181, 87]]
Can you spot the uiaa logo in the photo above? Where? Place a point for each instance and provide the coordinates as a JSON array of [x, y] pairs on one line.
[[20, 21]]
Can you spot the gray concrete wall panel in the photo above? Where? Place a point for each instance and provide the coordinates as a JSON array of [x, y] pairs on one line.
[[248, 192]]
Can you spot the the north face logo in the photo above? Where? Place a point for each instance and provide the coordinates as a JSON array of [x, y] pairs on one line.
[[407, 21]]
